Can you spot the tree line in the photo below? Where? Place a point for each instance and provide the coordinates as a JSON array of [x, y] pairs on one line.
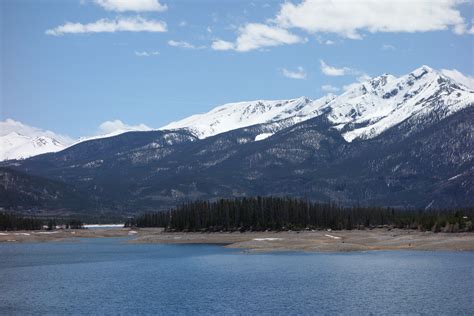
[[277, 213], [16, 222]]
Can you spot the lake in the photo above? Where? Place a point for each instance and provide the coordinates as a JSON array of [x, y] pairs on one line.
[[109, 276]]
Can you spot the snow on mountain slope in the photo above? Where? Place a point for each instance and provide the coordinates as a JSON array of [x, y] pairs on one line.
[[19, 141], [367, 109], [237, 115], [363, 111]]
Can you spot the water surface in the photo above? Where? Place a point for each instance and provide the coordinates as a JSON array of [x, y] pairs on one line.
[[109, 276]]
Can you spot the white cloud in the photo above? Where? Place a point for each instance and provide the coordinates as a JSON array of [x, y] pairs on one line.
[[321, 41], [255, 36], [342, 71], [117, 126], [456, 75], [350, 18], [334, 71], [298, 74], [146, 54], [121, 24], [184, 44], [329, 88], [132, 5], [388, 47], [222, 45], [183, 23]]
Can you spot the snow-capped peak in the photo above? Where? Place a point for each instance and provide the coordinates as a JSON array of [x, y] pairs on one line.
[[371, 107], [18, 140], [241, 114], [364, 110]]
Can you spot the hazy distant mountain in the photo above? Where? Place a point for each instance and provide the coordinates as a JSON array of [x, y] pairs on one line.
[[19, 141]]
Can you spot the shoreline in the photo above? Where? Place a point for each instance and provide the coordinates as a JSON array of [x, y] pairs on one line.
[[301, 241]]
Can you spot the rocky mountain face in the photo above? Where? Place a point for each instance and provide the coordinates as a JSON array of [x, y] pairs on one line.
[[363, 111], [372, 145]]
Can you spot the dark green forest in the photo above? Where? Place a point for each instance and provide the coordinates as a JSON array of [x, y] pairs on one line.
[[15, 222], [276, 213]]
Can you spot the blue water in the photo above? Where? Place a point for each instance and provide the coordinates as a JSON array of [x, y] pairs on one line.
[[109, 276]]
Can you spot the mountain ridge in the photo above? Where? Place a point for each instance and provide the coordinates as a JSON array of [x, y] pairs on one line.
[[363, 111], [371, 146], [429, 165], [378, 104]]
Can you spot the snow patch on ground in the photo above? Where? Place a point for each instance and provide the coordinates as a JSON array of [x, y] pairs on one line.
[[331, 236], [262, 136], [103, 226], [456, 176], [267, 239]]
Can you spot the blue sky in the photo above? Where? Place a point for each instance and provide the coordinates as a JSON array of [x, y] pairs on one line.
[[187, 56]]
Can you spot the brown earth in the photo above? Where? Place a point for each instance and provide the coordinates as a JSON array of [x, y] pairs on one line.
[[310, 241]]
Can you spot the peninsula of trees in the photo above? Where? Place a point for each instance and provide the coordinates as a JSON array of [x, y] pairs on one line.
[[276, 213]]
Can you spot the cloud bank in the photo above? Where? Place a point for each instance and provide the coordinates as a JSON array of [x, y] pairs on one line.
[[348, 19]]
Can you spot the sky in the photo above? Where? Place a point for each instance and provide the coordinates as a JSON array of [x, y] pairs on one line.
[[85, 67]]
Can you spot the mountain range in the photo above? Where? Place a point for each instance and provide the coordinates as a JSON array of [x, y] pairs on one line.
[[391, 141]]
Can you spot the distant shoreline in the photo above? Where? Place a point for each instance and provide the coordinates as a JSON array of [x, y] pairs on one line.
[[307, 241]]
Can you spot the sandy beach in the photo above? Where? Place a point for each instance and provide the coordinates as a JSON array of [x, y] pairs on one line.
[[308, 241]]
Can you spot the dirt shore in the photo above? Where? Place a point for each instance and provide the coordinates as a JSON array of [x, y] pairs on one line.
[[309, 241]]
